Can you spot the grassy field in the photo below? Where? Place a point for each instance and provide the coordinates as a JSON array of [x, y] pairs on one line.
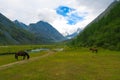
[[69, 64], [15, 48]]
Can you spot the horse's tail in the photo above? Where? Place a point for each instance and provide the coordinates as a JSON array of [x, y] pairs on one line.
[[27, 56]]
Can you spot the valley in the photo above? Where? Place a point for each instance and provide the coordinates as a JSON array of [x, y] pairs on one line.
[[69, 64], [57, 57]]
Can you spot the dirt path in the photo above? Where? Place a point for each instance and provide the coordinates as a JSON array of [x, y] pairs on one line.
[[25, 61]]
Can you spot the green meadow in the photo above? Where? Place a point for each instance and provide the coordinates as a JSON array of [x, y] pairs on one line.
[[66, 64]]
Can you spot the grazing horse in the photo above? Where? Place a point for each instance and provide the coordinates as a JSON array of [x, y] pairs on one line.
[[94, 50], [22, 53]]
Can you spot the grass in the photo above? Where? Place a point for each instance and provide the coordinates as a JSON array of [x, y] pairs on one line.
[[70, 64], [15, 48], [6, 59]]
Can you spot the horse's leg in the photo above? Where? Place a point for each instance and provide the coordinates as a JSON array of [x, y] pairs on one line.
[[96, 51], [27, 56], [16, 57], [23, 57]]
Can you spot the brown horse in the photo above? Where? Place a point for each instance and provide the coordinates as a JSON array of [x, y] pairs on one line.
[[22, 53], [94, 50]]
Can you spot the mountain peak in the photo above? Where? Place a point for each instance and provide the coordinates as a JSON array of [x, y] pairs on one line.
[[74, 34], [20, 24], [45, 32]]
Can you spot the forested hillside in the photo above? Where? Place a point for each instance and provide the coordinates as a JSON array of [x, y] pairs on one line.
[[11, 34], [104, 31]]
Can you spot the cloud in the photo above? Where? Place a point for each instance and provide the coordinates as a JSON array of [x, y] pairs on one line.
[[64, 15], [47, 14], [70, 14], [74, 18], [95, 5]]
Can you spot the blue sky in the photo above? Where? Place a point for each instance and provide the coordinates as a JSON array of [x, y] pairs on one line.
[[70, 14], [64, 10], [64, 15]]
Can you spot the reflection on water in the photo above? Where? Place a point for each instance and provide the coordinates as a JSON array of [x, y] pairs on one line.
[[38, 50], [44, 49]]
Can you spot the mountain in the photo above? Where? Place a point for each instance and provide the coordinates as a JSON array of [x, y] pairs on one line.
[[20, 24], [74, 34], [11, 34], [104, 31], [45, 32], [18, 33]]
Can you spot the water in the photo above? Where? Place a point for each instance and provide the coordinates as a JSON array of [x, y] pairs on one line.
[[44, 49], [38, 50]]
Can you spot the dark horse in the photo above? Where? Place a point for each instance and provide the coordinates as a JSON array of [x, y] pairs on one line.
[[94, 50], [21, 53]]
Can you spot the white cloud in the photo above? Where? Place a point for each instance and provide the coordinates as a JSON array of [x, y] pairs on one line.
[[31, 11], [47, 14]]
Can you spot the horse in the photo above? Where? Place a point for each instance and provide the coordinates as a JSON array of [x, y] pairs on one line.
[[94, 50], [22, 53]]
